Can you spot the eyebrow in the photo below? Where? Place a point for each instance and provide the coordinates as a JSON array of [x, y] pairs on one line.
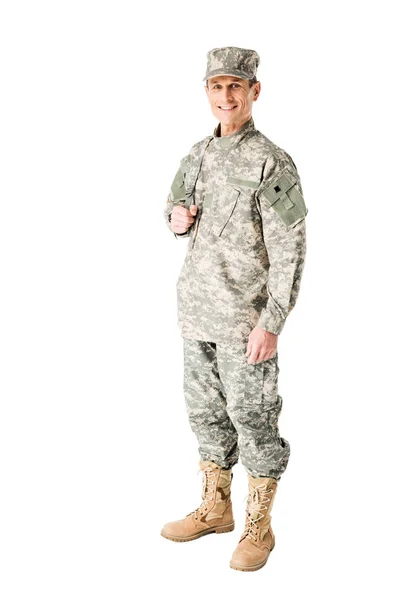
[[234, 79]]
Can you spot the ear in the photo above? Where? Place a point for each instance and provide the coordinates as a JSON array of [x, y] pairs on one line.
[[257, 90], [207, 90]]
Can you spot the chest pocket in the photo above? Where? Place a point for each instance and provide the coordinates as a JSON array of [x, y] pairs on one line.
[[222, 208]]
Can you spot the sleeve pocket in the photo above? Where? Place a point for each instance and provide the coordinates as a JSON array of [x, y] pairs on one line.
[[284, 195], [178, 188]]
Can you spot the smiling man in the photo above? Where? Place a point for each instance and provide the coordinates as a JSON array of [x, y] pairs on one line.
[[237, 197], [231, 101]]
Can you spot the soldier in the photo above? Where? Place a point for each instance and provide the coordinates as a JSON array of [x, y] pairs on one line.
[[238, 199]]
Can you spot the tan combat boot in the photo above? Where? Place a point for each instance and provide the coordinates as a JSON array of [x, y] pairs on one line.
[[215, 512], [258, 539]]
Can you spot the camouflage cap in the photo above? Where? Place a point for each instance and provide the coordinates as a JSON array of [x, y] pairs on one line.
[[239, 62]]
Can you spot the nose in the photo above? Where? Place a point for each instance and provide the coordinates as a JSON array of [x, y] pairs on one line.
[[226, 95]]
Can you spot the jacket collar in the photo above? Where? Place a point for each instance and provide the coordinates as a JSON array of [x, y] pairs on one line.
[[227, 141]]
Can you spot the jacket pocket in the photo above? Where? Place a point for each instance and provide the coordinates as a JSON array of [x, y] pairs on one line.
[[223, 208]]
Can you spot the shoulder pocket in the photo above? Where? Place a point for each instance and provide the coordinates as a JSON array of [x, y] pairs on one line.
[[284, 195], [178, 188]]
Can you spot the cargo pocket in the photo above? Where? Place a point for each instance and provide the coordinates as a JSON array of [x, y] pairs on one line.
[[274, 412], [253, 383], [284, 195], [223, 208]]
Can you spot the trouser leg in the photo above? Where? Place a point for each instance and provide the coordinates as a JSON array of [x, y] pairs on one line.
[[254, 406], [206, 404]]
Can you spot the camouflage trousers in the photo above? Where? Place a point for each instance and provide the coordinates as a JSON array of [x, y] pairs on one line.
[[234, 406]]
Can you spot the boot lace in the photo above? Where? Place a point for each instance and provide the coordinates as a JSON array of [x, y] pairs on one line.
[[258, 499], [207, 492]]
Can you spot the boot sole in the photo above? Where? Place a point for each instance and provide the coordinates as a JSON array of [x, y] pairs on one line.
[[221, 529], [251, 567]]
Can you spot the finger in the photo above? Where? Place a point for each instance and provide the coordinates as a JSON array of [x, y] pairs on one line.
[[181, 210], [265, 354], [253, 355], [182, 221]]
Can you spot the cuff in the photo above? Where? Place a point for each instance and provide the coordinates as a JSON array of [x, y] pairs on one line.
[[272, 323], [186, 234]]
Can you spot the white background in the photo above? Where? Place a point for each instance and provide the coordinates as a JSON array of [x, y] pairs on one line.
[[99, 102]]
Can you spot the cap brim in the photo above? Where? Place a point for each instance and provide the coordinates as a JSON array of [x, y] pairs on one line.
[[232, 72]]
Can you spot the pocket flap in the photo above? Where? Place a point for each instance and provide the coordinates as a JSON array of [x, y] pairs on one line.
[[275, 190]]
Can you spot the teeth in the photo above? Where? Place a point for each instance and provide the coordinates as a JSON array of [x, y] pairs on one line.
[[227, 107]]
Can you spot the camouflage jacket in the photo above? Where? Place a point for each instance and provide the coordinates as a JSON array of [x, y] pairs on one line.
[[246, 248]]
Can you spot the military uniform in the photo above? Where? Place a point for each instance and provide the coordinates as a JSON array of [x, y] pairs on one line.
[[244, 262]]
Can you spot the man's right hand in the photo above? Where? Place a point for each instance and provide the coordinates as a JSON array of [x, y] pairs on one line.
[[182, 218]]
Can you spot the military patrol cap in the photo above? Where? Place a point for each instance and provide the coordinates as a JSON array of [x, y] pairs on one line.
[[238, 62]]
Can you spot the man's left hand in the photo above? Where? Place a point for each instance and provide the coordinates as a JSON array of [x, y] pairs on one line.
[[261, 345]]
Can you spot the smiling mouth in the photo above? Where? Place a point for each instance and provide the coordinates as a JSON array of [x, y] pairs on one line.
[[227, 108]]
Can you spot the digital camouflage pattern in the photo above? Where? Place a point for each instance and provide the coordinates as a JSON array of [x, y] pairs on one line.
[[246, 249], [230, 60], [233, 405]]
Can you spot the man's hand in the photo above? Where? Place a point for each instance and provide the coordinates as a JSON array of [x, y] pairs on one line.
[[182, 219], [261, 345]]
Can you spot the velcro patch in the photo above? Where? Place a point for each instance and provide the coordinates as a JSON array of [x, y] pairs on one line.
[[243, 182]]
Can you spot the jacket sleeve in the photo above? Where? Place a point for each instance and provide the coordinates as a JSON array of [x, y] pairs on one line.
[[282, 208], [177, 195]]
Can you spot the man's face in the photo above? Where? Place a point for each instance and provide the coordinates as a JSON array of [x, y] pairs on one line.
[[231, 98]]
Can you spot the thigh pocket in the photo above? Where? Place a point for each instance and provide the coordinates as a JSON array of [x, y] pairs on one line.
[[253, 383], [261, 383]]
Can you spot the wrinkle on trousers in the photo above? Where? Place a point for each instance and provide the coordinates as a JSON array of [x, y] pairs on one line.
[[234, 407]]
